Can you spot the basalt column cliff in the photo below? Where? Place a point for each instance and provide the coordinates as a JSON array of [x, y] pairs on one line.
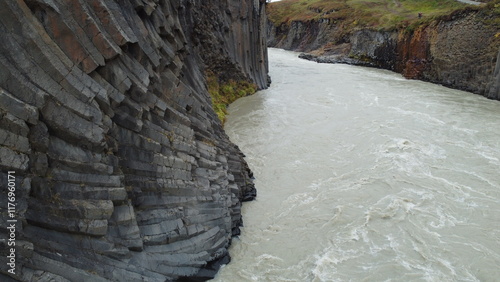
[[117, 165]]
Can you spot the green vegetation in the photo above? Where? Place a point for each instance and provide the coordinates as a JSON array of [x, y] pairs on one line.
[[377, 14], [492, 15], [224, 93]]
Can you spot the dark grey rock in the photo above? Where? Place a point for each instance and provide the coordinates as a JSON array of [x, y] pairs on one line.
[[39, 137], [13, 124], [123, 170], [16, 107], [11, 159], [39, 164]]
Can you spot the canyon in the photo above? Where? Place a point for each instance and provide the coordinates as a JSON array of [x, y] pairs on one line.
[[114, 165], [118, 166], [459, 50]]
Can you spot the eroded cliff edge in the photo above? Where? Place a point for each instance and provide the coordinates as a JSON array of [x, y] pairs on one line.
[[122, 169], [458, 50]]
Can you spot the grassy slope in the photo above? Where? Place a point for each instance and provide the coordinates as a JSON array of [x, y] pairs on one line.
[[492, 14], [378, 14], [224, 93]]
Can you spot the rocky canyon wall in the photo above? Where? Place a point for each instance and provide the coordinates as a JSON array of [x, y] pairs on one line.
[[459, 50], [117, 165]]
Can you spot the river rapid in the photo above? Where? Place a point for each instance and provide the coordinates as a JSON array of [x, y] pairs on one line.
[[363, 175]]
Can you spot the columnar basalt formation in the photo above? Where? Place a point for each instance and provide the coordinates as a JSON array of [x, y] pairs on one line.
[[122, 170], [459, 50]]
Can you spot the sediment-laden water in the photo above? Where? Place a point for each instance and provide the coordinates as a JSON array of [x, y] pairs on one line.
[[363, 175]]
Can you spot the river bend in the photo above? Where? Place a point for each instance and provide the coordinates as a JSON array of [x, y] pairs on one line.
[[363, 175]]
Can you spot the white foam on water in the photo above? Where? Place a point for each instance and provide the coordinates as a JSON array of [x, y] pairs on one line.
[[363, 175]]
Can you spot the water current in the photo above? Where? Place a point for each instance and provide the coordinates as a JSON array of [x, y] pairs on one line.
[[363, 175]]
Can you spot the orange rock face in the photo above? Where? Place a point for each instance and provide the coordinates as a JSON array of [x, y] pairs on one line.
[[413, 54]]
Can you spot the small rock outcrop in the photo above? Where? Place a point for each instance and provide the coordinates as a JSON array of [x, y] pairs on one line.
[[117, 165]]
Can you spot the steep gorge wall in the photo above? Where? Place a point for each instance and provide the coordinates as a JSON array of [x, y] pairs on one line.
[[459, 51], [122, 170]]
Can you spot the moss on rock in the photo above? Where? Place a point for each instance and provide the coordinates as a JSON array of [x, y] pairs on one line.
[[224, 93]]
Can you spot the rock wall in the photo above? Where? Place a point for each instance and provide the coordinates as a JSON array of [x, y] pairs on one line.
[[459, 51], [463, 54], [300, 36], [122, 170]]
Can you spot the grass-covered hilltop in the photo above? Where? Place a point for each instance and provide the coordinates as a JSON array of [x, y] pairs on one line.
[[377, 14], [380, 14], [443, 41]]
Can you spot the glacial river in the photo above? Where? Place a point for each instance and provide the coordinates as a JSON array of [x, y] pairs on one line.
[[363, 175]]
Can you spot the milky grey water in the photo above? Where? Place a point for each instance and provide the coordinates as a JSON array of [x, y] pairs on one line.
[[363, 175]]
